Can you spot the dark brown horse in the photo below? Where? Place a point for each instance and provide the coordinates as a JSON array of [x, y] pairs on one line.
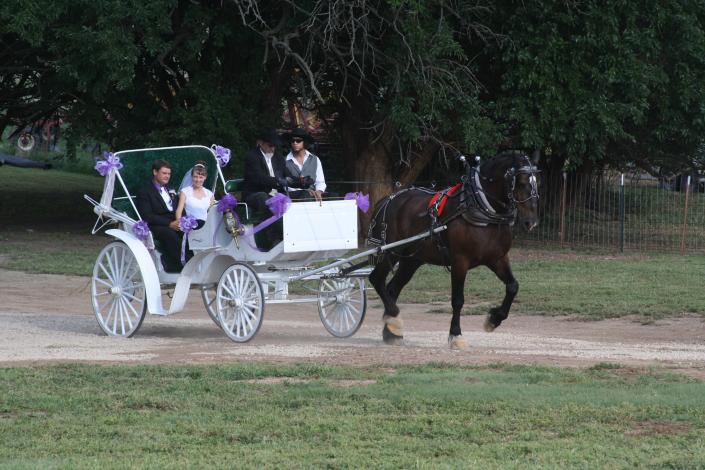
[[479, 215]]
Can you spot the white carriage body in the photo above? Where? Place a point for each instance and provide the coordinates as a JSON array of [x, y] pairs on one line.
[[314, 231]]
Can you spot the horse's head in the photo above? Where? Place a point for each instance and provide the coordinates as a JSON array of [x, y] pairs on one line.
[[513, 185]]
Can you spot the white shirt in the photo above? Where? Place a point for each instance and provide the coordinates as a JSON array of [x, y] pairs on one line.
[[194, 206], [164, 193], [268, 161], [320, 183]]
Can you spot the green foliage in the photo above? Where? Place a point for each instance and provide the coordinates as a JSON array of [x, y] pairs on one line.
[[618, 83], [609, 82], [437, 415]]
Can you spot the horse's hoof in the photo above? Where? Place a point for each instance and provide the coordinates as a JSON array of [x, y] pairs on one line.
[[489, 326], [394, 325], [390, 338], [457, 343]]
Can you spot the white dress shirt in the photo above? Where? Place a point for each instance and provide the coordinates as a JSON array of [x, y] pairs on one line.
[[320, 183]]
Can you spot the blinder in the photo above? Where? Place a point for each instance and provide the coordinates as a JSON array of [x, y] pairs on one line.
[[510, 178]]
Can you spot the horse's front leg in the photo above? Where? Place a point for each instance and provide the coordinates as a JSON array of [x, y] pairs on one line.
[[393, 331], [458, 272], [503, 270]]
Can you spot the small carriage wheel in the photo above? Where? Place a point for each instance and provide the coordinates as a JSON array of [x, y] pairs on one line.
[[240, 302], [342, 304], [209, 293], [117, 291]]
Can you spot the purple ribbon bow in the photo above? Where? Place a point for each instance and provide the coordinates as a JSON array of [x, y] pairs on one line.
[[108, 162], [229, 202], [278, 204], [141, 231], [222, 154], [362, 200], [186, 224]]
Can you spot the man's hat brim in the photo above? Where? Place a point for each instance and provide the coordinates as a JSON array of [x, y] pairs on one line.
[[298, 133]]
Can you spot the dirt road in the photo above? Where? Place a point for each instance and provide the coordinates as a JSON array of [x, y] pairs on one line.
[[47, 319]]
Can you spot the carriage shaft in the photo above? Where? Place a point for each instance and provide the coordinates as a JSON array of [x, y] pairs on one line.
[[375, 250]]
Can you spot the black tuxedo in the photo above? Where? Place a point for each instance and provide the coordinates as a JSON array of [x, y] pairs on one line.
[[152, 207], [257, 177], [155, 212]]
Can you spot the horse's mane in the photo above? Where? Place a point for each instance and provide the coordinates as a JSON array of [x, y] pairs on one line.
[[498, 163]]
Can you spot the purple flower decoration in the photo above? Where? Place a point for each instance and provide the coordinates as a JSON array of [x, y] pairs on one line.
[[362, 200], [186, 224], [278, 204], [141, 230], [108, 162], [229, 202], [222, 154]]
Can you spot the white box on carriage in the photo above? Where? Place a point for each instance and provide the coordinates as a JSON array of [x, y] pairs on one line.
[[314, 226]]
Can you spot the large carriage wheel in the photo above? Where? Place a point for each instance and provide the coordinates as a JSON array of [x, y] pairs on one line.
[[240, 302], [117, 291], [342, 304], [209, 294]]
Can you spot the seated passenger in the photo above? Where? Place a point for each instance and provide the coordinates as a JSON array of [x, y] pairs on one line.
[[303, 169], [156, 203], [194, 198]]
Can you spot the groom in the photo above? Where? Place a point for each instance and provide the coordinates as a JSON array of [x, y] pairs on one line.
[[156, 205]]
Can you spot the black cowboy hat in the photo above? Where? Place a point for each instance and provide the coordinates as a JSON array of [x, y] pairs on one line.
[[300, 133], [270, 136]]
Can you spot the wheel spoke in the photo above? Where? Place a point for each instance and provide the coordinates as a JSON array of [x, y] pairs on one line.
[[106, 284], [101, 308], [107, 274], [114, 313], [230, 292], [129, 305], [125, 305]]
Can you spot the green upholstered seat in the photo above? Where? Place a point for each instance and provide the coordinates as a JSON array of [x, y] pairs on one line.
[[137, 168]]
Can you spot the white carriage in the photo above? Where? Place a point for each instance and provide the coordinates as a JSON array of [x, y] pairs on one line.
[[235, 278]]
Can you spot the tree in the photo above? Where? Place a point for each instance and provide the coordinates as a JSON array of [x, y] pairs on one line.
[[593, 83], [394, 73]]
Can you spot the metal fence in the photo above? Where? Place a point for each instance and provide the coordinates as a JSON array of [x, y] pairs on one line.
[[622, 213]]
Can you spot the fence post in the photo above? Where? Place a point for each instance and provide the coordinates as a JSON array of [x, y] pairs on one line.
[[562, 218], [621, 214], [685, 216]]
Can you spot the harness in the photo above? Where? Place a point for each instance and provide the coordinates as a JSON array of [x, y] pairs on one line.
[[474, 206]]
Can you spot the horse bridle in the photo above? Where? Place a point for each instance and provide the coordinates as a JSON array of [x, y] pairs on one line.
[[510, 178]]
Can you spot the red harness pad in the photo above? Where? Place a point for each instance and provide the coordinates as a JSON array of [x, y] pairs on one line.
[[442, 204]]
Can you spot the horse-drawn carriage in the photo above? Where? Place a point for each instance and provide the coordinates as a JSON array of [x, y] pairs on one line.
[[236, 278]]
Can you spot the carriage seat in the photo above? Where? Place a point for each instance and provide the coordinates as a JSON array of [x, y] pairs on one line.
[[235, 187]]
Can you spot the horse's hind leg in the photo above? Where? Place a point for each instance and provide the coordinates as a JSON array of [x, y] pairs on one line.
[[503, 270], [458, 272]]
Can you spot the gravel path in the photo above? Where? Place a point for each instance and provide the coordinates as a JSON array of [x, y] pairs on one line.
[[47, 318]]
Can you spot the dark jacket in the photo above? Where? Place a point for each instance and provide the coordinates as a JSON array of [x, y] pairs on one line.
[[257, 177], [152, 207]]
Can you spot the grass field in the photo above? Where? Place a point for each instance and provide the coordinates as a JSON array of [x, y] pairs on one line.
[[46, 197], [434, 416]]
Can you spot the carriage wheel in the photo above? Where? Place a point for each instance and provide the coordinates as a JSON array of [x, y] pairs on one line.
[[342, 304], [240, 302], [209, 294], [117, 291]]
